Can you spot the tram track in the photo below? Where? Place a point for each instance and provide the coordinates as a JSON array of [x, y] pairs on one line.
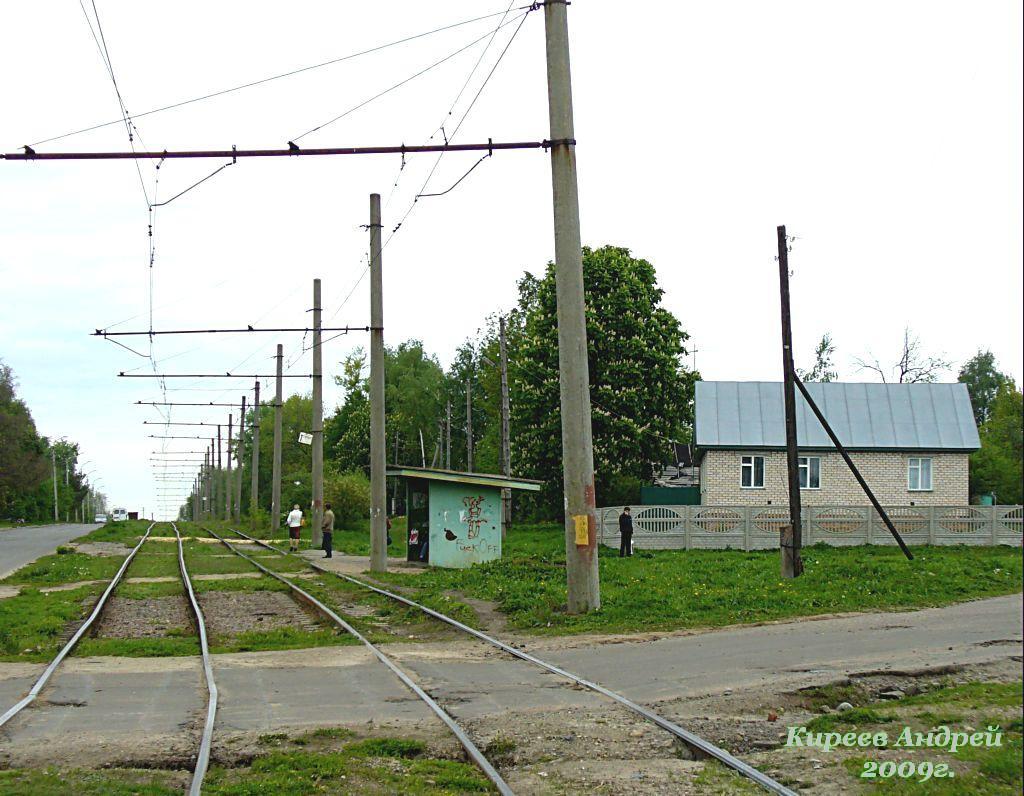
[[697, 744], [203, 756], [471, 748]]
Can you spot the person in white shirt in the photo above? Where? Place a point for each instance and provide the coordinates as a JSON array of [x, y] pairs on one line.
[[294, 527]]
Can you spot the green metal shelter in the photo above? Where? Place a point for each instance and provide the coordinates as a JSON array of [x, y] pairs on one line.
[[454, 518]]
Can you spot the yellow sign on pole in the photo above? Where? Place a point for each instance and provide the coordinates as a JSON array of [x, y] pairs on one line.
[[582, 529]]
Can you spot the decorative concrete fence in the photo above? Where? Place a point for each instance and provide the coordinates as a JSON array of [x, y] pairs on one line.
[[757, 527]]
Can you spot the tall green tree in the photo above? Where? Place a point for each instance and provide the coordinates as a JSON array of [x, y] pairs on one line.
[[641, 391], [983, 380], [414, 403], [23, 464], [997, 467]]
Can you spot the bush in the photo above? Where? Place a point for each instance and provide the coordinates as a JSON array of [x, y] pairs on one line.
[[348, 494]]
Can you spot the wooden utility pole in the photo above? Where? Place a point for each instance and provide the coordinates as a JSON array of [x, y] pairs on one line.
[[275, 487], [506, 448], [254, 488], [583, 582], [469, 425], [218, 483], [239, 453], [378, 443], [318, 422], [230, 485], [790, 536]]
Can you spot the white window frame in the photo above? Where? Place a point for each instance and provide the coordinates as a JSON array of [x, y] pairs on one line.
[[751, 462], [806, 471], [917, 463]]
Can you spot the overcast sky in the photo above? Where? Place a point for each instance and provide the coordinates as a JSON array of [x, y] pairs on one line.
[[885, 135]]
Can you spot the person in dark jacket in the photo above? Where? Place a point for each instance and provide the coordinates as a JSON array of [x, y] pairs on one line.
[[626, 533]]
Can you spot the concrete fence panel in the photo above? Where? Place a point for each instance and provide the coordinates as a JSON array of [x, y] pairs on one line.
[[758, 527]]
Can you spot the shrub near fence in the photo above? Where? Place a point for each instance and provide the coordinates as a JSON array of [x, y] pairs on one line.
[[757, 527]]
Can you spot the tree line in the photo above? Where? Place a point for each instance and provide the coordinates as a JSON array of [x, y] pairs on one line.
[[27, 464], [641, 395], [642, 398]]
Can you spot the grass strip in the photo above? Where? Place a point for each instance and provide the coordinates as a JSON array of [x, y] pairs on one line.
[[670, 589]]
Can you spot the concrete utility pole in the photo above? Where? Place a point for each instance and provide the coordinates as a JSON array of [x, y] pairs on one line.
[[318, 421], [53, 456], [583, 583], [208, 480], [378, 443], [506, 447], [275, 487], [469, 425], [447, 437], [230, 486], [254, 489], [790, 537], [239, 452], [218, 481]]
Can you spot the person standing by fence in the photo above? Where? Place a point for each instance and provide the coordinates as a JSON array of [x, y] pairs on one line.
[[327, 529], [626, 533]]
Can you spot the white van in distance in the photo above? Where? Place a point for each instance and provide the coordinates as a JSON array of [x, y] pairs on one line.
[[120, 515]]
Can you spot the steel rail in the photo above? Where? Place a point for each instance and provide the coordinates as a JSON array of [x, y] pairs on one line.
[[66, 649], [203, 758], [691, 740], [471, 749]]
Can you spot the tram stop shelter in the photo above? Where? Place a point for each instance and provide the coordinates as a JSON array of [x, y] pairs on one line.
[[454, 518]]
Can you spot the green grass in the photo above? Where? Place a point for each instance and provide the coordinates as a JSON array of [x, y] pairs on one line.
[[664, 590], [66, 568], [282, 638], [970, 696], [995, 770], [34, 621], [161, 647], [83, 782], [128, 532], [327, 761], [855, 717]]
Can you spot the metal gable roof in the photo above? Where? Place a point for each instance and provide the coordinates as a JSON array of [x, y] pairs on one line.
[[750, 414]]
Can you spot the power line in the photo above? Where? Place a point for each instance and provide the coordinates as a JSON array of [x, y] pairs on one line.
[[401, 83], [265, 80], [423, 188]]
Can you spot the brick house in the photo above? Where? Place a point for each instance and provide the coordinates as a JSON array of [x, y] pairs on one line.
[[911, 443]]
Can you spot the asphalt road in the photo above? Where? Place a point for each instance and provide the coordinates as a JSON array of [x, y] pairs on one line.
[[303, 688], [21, 546]]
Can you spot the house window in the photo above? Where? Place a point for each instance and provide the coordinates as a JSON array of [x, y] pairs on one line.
[[752, 472], [810, 472], [919, 474]]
